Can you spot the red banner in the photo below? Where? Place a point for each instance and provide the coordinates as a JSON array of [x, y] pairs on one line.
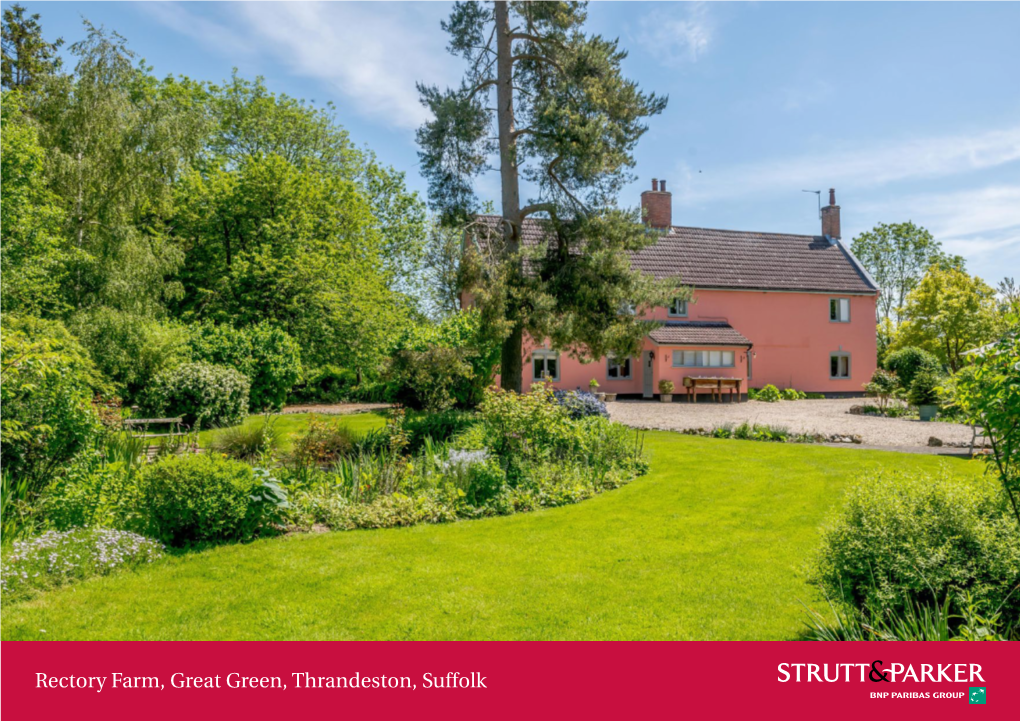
[[201, 680]]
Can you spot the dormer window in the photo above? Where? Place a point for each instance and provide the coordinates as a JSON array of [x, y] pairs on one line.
[[678, 308]]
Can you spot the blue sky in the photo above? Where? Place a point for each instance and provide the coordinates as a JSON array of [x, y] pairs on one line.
[[910, 110]]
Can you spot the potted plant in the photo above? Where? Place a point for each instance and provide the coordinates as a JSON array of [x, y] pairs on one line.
[[924, 394], [593, 388], [666, 391]]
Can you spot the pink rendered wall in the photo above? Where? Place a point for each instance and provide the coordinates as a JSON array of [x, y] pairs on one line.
[[791, 333]]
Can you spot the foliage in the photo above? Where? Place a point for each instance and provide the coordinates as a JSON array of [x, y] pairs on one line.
[[248, 442], [666, 387], [59, 558], [896, 255], [924, 388], [907, 362], [184, 500], [426, 379], [202, 394], [130, 350], [48, 420], [435, 427], [27, 57], [581, 404], [565, 118], [916, 537], [326, 442], [266, 355], [883, 386], [461, 331], [792, 394], [32, 258], [948, 314], [769, 394], [989, 396]]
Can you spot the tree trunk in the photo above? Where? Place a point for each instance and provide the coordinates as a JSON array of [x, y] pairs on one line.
[[511, 358]]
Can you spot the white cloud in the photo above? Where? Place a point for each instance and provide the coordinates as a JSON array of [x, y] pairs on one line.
[[677, 33], [372, 54], [859, 168]]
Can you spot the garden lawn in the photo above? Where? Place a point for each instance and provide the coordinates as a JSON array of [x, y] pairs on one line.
[[291, 425], [711, 544]]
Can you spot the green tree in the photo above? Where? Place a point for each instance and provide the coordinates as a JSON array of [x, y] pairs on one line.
[[565, 119], [116, 140], [990, 396], [948, 313], [897, 256], [32, 256], [27, 57]]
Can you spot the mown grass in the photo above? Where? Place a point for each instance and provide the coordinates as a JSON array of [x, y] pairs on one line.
[[291, 425], [711, 544]]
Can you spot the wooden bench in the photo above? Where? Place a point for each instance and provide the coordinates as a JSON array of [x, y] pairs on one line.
[[716, 384]]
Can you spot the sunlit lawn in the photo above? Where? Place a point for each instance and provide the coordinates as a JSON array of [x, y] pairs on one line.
[[710, 545], [291, 425]]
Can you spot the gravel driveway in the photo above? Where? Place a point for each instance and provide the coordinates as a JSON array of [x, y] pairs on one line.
[[816, 416]]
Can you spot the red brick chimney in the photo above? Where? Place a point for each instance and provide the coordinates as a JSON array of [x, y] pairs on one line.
[[830, 217], [657, 205]]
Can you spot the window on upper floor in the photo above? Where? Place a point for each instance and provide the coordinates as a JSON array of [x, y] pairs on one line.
[[678, 308], [703, 359], [839, 365], [839, 310], [545, 365], [618, 370]]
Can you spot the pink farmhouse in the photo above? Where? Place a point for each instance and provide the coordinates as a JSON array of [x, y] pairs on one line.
[[794, 311]]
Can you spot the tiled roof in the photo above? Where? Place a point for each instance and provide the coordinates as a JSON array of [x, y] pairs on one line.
[[697, 332], [736, 259]]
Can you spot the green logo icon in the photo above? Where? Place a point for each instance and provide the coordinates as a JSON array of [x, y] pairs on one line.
[[977, 694]]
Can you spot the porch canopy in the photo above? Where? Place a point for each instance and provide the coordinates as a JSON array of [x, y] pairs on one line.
[[706, 355]]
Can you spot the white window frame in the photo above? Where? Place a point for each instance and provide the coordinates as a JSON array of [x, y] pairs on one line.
[[849, 365], [703, 358], [611, 361], [544, 354], [672, 313], [840, 307]]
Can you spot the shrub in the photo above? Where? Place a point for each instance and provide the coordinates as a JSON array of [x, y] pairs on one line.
[[267, 355], [924, 388], [437, 427], [130, 350], [45, 393], [666, 387], [203, 395], [769, 394], [248, 442], [791, 394], [95, 492], [324, 443], [882, 386], [59, 558], [902, 538], [580, 404], [524, 426], [426, 379], [907, 362], [191, 499]]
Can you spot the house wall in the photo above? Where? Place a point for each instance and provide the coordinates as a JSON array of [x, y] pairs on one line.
[[792, 339]]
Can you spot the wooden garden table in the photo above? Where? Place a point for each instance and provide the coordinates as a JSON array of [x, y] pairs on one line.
[[716, 383]]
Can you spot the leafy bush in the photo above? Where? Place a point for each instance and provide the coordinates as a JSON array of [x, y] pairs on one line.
[[924, 388], [45, 393], [769, 394], [437, 427], [191, 499], [130, 350], [326, 442], [519, 427], [883, 387], [267, 355], [203, 395], [901, 538], [792, 394], [581, 404], [907, 362], [248, 442], [426, 379], [666, 387], [59, 558]]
